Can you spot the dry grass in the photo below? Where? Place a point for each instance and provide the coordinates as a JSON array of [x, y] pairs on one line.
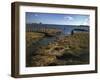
[[76, 50], [33, 37]]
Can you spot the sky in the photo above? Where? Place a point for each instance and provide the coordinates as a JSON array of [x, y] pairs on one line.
[[59, 19]]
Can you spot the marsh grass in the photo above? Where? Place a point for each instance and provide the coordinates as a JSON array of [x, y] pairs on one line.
[[76, 50]]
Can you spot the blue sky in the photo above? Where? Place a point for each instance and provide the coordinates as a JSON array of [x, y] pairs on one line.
[[60, 19]]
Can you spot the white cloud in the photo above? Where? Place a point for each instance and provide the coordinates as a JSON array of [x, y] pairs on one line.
[[86, 22], [68, 18]]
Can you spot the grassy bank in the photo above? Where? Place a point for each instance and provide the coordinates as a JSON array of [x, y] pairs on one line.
[[33, 37]]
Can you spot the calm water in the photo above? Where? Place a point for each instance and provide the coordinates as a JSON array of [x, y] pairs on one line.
[[66, 29], [46, 40]]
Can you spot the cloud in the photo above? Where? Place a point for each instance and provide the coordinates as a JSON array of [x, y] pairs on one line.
[[86, 21], [68, 18]]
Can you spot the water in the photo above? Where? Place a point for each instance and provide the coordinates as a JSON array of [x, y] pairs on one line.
[[46, 40], [66, 29]]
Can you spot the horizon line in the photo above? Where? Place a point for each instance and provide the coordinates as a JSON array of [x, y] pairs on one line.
[[57, 24]]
